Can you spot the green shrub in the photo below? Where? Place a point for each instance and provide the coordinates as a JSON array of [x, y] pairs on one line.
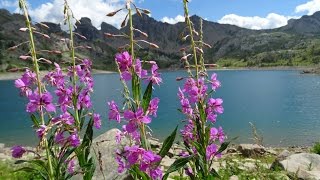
[[316, 148]]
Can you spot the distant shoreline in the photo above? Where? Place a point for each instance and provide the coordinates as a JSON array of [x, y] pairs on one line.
[[16, 75]]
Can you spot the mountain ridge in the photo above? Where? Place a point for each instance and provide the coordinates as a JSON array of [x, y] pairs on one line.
[[293, 44]]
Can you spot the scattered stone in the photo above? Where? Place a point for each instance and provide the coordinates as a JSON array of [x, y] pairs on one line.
[[166, 161], [154, 143], [231, 150], [271, 152], [251, 150], [304, 165], [105, 146], [283, 155], [234, 177]]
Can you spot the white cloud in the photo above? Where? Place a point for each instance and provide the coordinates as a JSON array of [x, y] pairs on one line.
[[309, 7], [272, 20], [8, 4], [175, 20], [96, 10]]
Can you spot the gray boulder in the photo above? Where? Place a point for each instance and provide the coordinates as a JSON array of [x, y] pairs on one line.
[[251, 150], [304, 165], [105, 147]]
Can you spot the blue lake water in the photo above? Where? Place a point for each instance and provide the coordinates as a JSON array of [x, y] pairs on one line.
[[284, 106]]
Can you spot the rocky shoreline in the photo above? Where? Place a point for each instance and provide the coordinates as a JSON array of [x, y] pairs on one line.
[[238, 161]]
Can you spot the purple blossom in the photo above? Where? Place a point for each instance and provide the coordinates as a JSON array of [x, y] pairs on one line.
[[153, 107], [64, 97], [84, 100], [135, 119], [211, 151], [97, 121], [215, 83], [187, 131], [124, 61], [186, 107], [74, 140], [155, 76], [121, 164], [56, 77], [146, 160], [59, 138], [118, 137], [41, 131], [126, 75], [211, 117], [114, 113], [37, 102], [215, 105], [71, 166], [17, 151], [138, 69], [25, 90]]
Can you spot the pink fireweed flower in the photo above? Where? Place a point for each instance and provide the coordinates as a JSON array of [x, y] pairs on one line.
[[126, 75], [215, 105], [71, 166], [211, 151], [124, 61], [146, 160], [64, 97], [121, 164], [153, 107], [84, 100], [67, 118], [59, 138], [186, 107], [55, 78], [114, 113], [187, 132], [29, 77], [135, 119], [97, 121], [212, 117], [41, 131], [155, 76], [37, 102], [25, 90], [17, 151], [74, 140], [138, 69], [215, 83], [180, 94]]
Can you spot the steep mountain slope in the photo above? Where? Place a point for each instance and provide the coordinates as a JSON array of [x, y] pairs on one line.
[[294, 44]]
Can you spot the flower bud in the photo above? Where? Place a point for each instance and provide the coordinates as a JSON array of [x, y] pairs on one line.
[[23, 29]]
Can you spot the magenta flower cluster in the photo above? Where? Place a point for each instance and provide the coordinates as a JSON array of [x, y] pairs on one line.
[[135, 118], [194, 96], [71, 96]]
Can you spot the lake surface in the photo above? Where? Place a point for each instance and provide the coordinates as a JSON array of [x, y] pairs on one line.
[[284, 106]]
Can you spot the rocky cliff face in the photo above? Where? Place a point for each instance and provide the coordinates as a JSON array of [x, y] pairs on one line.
[[294, 43]]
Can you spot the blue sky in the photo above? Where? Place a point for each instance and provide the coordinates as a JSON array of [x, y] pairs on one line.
[[253, 14]]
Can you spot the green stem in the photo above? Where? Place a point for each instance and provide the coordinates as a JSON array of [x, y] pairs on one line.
[[136, 81], [188, 21], [36, 69], [74, 80]]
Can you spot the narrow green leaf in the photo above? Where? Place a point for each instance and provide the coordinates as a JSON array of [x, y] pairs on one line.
[[214, 174], [177, 164], [168, 142], [147, 96], [35, 121], [225, 145]]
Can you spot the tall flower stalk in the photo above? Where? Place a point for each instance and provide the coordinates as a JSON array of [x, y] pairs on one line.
[[60, 130], [201, 138], [137, 157]]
